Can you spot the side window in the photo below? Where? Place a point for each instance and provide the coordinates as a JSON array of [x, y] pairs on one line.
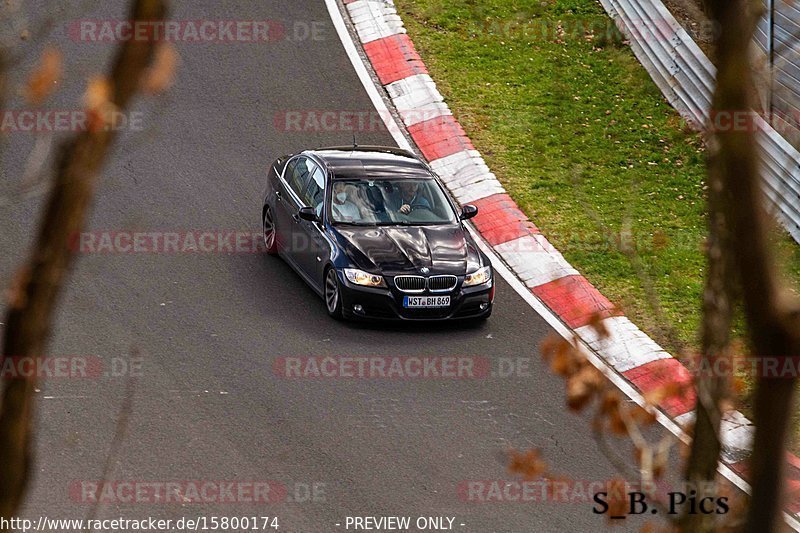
[[314, 195], [298, 176], [287, 172]]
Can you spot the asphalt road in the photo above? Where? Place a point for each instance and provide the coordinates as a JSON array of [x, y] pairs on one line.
[[208, 405]]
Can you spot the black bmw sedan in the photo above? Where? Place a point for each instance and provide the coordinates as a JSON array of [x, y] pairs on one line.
[[373, 232]]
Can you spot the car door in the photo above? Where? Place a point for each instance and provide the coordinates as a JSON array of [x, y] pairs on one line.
[[311, 235], [288, 203]]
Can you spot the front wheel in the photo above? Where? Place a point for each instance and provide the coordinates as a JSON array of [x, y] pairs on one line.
[[268, 225], [333, 296]]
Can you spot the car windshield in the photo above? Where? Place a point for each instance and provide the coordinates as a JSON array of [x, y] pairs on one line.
[[389, 202]]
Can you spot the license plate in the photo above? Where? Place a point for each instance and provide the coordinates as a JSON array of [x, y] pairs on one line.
[[426, 301]]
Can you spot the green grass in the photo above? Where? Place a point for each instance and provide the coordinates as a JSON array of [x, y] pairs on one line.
[[584, 141]]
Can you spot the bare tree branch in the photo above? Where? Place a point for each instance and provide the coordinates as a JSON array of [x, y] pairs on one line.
[[701, 468], [40, 282], [772, 323]]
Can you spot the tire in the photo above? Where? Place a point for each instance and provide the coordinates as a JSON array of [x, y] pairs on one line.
[[333, 294], [269, 232]]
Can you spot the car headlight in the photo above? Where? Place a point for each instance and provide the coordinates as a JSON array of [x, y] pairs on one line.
[[479, 277], [359, 277]]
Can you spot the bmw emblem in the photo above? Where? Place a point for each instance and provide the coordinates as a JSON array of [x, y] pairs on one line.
[[424, 270]]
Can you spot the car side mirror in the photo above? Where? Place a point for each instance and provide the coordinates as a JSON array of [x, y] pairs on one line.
[[308, 213], [468, 211]]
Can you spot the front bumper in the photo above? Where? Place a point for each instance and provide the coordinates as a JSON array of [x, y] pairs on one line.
[[387, 303]]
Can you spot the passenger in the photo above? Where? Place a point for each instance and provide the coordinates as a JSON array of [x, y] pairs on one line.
[[344, 204]]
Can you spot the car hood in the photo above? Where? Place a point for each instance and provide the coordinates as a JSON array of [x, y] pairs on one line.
[[406, 249]]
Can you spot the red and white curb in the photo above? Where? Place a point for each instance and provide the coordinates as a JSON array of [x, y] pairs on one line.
[[516, 239]]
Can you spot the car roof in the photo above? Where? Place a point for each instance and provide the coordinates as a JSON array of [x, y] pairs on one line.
[[348, 162]]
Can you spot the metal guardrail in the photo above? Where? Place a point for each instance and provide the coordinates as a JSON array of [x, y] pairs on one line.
[[686, 77], [778, 38]]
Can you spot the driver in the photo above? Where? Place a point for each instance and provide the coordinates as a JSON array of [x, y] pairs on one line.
[[410, 197], [344, 208]]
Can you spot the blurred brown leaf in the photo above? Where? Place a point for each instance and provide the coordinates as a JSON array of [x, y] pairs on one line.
[[597, 323], [582, 386], [563, 359], [527, 464], [617, 498], [642, 416], [549, 345], [43, 81], [161, 75], [609, 412], [616, 423], [669, 390], [98, 93], [610, 402], [97, 100]]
